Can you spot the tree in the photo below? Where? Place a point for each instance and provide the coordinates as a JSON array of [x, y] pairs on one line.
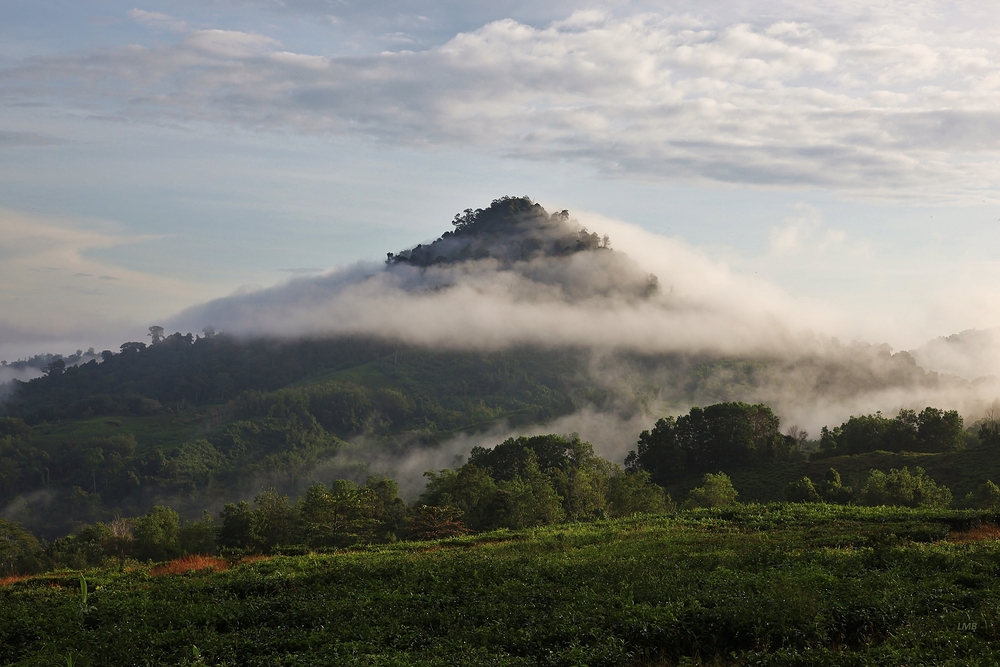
[[715, 491], [833, 490], [526, 500], [388, 509], [470, 490], [199, 537], [427, 522], [273, 522], [339, 516], [155, 334], [19, 550], [237, 526], [55, 368], [724, 435], [658, 452], [157, 535], [940, 430], [932, 430], [989, 429]]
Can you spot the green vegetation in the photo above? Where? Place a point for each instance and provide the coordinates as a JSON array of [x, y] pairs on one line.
[[776, 584], [932, 430], [717, 491], [534, 551], [539, 481], [725, 435]]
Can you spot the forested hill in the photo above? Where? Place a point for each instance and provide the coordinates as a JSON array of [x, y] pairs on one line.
[[183, 371], [510, 229]]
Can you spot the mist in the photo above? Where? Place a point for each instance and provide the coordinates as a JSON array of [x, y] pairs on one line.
[[674, 300], [630, 298]]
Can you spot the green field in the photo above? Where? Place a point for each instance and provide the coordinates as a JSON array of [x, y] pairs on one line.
[[775, 584]]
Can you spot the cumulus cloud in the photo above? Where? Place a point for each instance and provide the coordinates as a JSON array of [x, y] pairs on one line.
[[889, 102]]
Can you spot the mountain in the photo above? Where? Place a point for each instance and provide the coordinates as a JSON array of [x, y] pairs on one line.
[[514, 321]]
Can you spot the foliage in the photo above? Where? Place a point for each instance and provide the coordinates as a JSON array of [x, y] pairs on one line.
[[781, 584], [539, 480], [802, 491], [724, 435], [932, 430], [19, 550], [901, 487], [986, 497], [716, 491]]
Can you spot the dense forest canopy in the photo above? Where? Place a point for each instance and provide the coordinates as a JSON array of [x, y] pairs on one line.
[[510, 229]]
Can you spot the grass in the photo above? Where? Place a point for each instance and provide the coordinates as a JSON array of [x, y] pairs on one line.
[[771, 584]]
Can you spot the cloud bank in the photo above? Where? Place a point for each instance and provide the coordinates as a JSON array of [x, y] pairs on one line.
[[700, 336], [594, 299], [887, 102]]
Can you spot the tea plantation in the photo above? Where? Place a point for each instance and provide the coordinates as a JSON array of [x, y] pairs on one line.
[[776, 584]]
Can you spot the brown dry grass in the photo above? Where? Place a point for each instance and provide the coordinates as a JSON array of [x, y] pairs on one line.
[[13, 579], [190, 564], [987, 531]]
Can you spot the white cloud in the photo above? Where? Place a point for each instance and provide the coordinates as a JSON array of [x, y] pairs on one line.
[[898, 101], [156, 20]]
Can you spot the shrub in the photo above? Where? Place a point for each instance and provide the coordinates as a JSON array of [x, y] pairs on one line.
[[832, 490], [715, 491], [427, 522], [986, 497], [632, 493], [901, 487], [802, 491]]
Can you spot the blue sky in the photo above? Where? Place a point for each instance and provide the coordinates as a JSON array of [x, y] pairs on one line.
[[155, 156]]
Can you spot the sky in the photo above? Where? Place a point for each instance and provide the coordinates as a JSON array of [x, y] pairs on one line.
[[838, 157]]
